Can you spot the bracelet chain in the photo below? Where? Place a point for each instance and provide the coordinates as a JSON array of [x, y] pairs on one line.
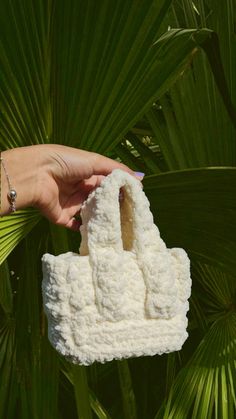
[[12, 194]]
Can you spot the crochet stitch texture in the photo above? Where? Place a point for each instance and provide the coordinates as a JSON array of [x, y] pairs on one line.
[[125, 294]]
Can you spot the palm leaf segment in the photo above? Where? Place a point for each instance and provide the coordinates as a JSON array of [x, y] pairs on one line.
[[59, 86]]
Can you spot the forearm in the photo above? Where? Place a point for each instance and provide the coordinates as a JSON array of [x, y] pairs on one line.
[[22, 166]]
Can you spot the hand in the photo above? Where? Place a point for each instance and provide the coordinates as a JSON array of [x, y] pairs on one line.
[[71, 175], [56, 179]]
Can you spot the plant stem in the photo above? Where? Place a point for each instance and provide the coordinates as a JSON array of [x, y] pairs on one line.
[[81, 392], [128, 397]]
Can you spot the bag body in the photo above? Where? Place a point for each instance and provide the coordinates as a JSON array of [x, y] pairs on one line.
[[125, 294]]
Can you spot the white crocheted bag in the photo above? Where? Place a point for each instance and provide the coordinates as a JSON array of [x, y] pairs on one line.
[[125, 294]]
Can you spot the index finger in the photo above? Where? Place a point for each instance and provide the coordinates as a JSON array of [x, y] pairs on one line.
[[102, 165]]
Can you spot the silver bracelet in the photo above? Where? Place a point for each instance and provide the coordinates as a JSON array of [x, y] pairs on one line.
[[12, 195]]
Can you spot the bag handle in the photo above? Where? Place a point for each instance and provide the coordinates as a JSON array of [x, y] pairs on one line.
[[105, 220], [108, 229]]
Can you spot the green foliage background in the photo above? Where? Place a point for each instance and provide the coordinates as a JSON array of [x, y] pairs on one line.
[[146, 82]]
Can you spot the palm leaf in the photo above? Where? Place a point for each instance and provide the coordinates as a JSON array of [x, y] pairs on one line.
[[29, 368], [205, 386], [191, 207], [140, 154], [24, 85], [56, 88], [125, 154], [83, 74], [69, 373], [6, 300], [149, 157], [14, 228], [215, 290], [191, 124], [8, 383], [98, 408], [128, 397]]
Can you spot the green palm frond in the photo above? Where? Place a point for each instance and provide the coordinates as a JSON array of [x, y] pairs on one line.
[[59, 86], [14, 228], [29, 368], [191, 123], [191, 207], [68, 371], [140, 154], [205, 386], [84, 73], [128, 397], [25, 72], [149, 156], [6, 298], [8, 384], [215, 290]]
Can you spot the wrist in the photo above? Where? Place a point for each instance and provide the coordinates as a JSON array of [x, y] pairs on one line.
[[22, 167]]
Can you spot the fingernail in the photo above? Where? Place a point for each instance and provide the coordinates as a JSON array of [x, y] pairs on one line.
[[139, 175]]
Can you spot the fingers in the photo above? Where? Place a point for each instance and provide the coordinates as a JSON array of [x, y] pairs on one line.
[[88, 185], [67, 220], [102, 165], [73, 224]]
